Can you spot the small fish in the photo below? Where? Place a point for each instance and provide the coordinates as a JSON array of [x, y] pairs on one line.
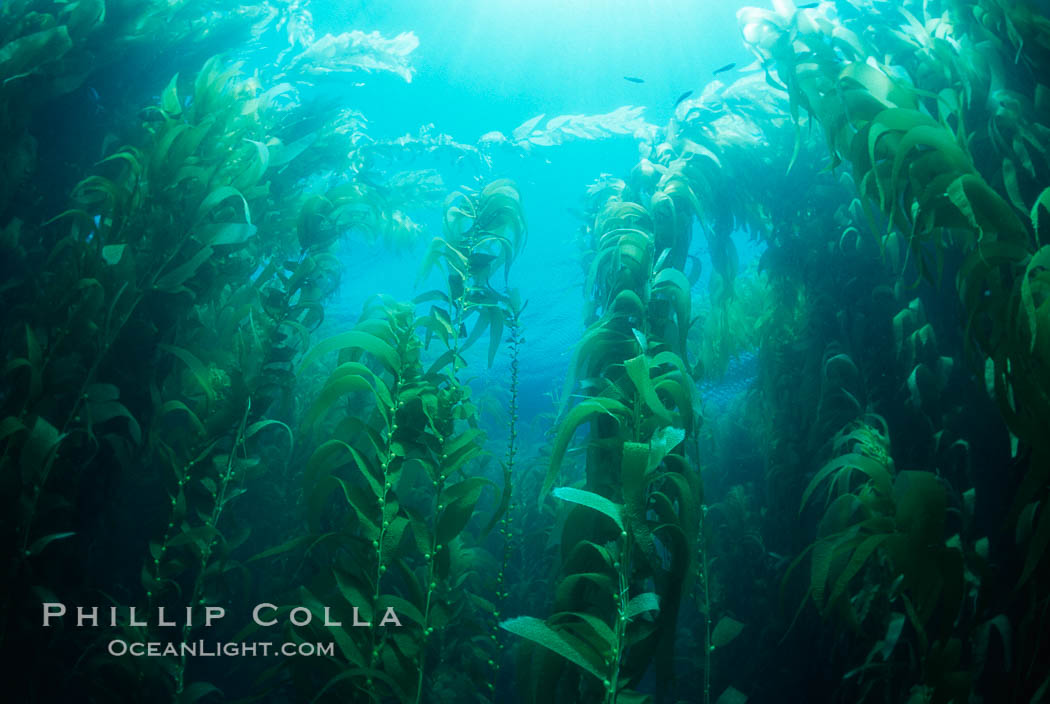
[[682, 97], [727, 67], [808, 6], [634, 79]]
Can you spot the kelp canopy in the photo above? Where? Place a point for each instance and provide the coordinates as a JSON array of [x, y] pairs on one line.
[[817, 471]]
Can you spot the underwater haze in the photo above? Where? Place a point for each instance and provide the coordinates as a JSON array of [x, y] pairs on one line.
[[543, 352]]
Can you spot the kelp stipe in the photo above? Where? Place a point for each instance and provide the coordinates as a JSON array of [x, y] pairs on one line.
[[393, 484], [639, 403], [509, 537], [483, 233], [368, 510], [205, 419]]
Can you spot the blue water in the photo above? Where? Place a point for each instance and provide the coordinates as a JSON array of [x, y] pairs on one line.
[[740, 376], [488, 65], [485, 66]]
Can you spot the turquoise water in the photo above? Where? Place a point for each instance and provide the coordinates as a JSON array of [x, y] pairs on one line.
[[626, 352]]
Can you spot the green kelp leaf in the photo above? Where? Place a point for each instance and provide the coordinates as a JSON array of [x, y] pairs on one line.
[[28, 53], [662, 442], [922, 505], [347, 646], [39, 544], [638, 371], [877, 83], [353, 589], [633, 477], [1037, 545], [922, 386], [824, 551], [173, 280], [83, 221], [586, 555], [335, 453], [201, 537], [196, 367], [1041, 259], [984, 209], [538, 632], [219, 196], [39, 449], [100, 392], [35, 357], [598, 341], [281, 154], [334, 389], [438, 323], [591, 500], [894, 120], [102, 411], [1001, 624], [574, 580], [355, 339], [732, 695], [113, 253], [893, 634], [460, 501], [441, 250], [634, 480], [880, 476], [583, 411], [251, 176], [268, 100], [169, 134], [445, 360], [9, 426], [460, 449], [525, 129], [184, 145], [639, 337], [224, 233], [1043, 201], [82, 17], [725, 631], [628, 696], [600, 636], [210, 82], [392, 536], [687, 495], [648, 601], [676, 285], [169, 99], [1013, 189], [175, 405], [401, 606], [255, 427], [856, 562], [934, 137], [286, 546]]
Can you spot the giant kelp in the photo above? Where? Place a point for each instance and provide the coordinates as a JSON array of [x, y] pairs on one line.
[[184, 421], [902, 124]]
